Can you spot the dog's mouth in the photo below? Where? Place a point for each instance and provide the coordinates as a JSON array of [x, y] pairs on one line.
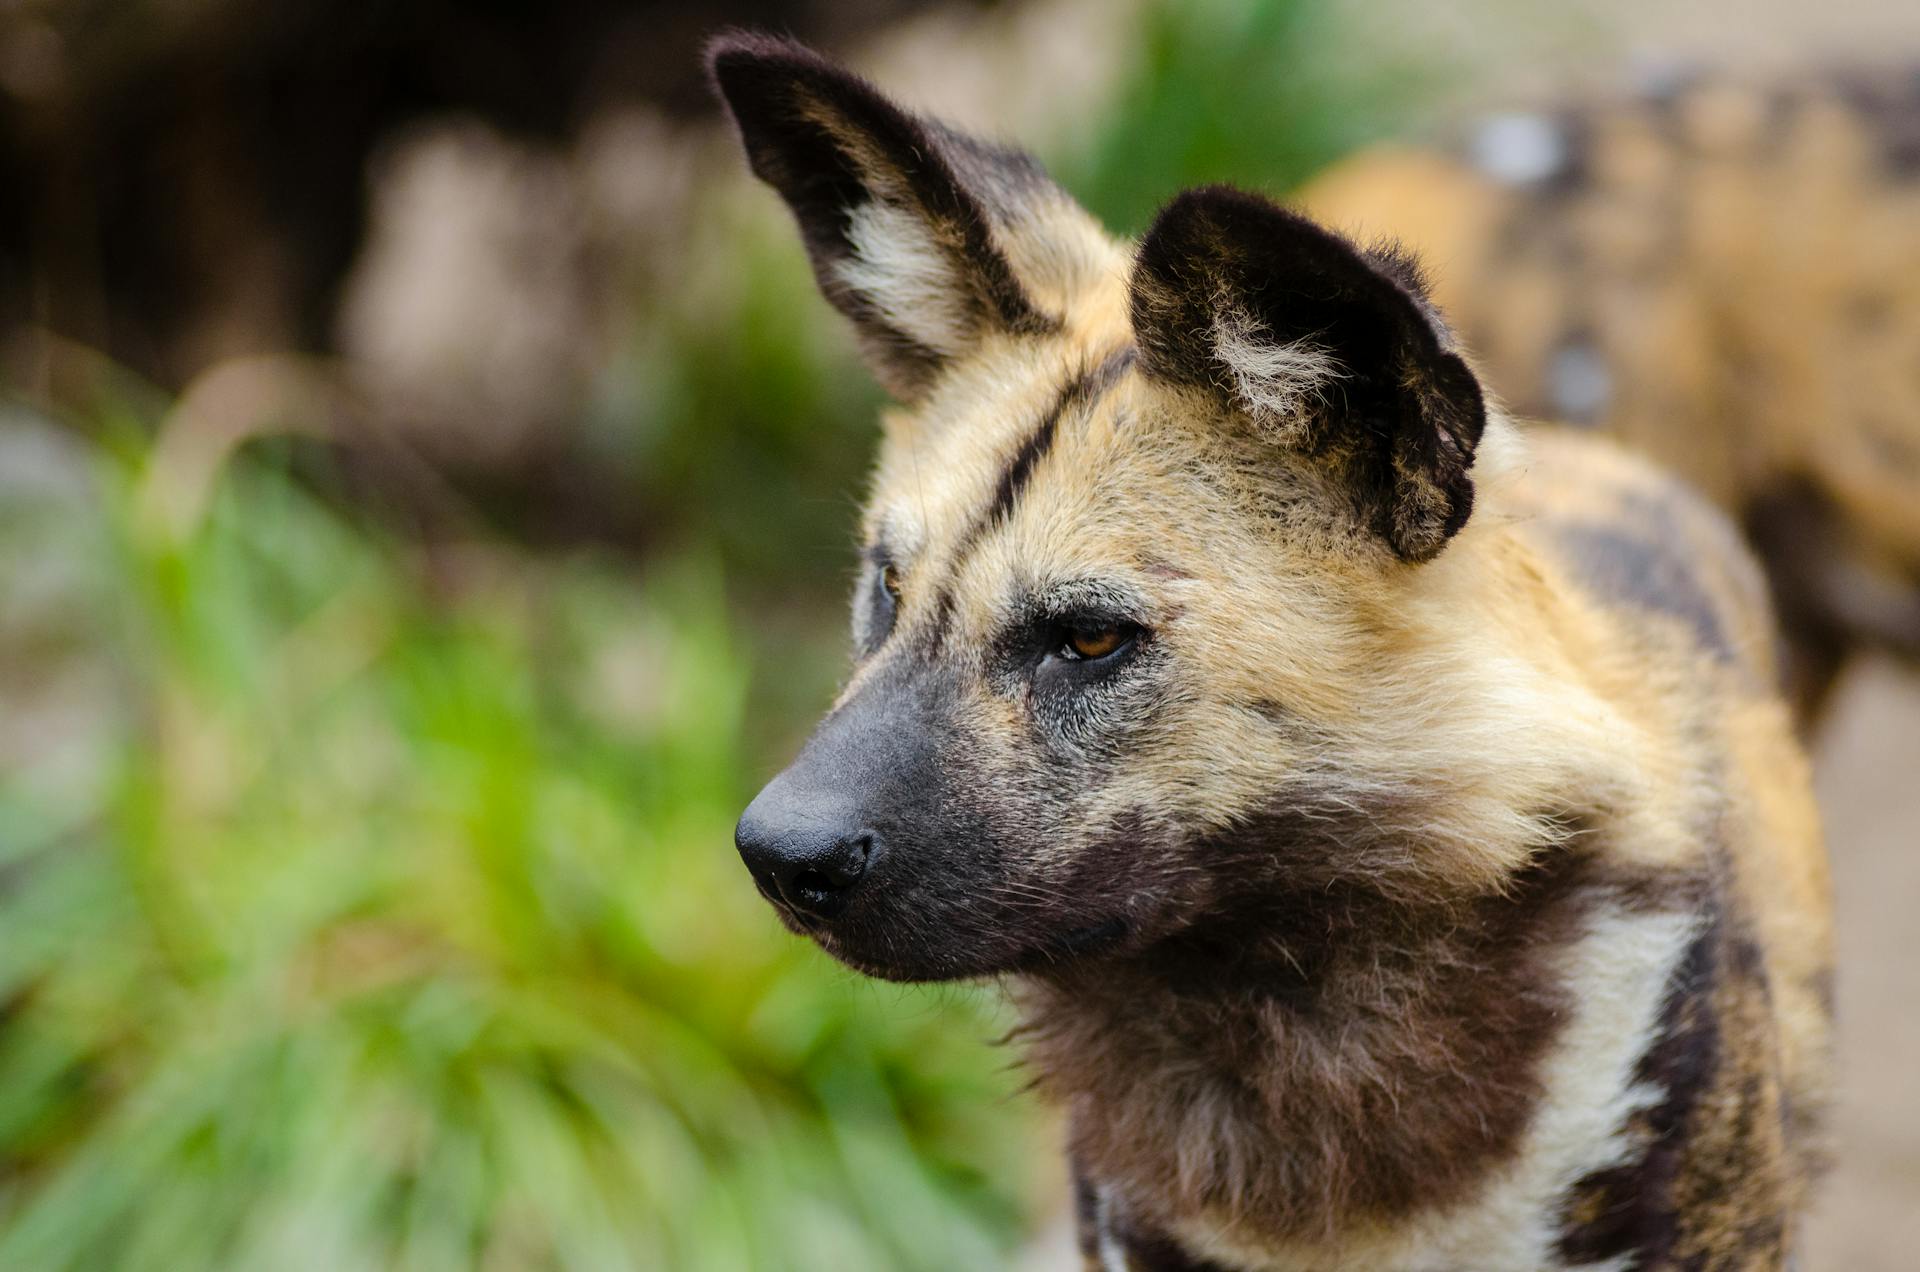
[[959, 962]]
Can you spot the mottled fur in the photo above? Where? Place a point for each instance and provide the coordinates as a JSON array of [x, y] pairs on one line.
[[1428, 879], [1724, 274]]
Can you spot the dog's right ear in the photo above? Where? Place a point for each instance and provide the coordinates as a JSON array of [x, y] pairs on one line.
[[901, 216]]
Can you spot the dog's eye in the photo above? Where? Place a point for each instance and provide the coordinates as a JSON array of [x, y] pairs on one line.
[[879, 609], [1089, 644]]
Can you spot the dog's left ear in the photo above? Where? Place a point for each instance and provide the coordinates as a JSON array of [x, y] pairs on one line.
[[907, 221], [1327, 349]]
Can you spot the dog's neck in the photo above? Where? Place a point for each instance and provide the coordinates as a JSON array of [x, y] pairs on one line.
[[1327, 1060]]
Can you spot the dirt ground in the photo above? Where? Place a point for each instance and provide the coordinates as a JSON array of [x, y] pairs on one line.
[[1868, 771]]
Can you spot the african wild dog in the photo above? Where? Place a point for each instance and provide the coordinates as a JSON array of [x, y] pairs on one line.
[[1725, 273], [1399, 853]]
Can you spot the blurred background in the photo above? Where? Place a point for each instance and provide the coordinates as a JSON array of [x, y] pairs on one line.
[[426, 484]]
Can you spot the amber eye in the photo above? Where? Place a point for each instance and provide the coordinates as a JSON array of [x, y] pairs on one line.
[[890, 580], [1097, 643]]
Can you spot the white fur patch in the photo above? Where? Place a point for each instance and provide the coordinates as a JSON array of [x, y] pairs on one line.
[[1618, 975], [1112, 1257], [907, 276], [1275, 380]]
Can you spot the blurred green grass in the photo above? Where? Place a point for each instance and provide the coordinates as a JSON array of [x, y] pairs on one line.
[[377, 907], [1257, 95], [396, 924]]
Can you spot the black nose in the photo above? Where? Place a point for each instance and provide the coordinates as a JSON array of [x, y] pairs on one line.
[[805, 852]]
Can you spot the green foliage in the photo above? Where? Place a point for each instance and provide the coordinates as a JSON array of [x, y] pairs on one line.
[[738, 409], [1257, 93], [394, 922]]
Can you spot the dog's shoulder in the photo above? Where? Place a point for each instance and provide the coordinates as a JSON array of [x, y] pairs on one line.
[[1654, 555]]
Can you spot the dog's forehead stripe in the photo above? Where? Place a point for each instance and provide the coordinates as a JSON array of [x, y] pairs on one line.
[[1082, 391], [1086, 390]]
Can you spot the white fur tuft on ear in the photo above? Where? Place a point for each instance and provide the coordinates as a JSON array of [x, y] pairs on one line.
[[907, 276], [1274, 381]]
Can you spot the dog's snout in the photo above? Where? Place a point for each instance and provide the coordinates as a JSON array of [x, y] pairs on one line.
[[805, 853]]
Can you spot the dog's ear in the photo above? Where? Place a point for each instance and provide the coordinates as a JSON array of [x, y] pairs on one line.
[[1328, 349], [903, 217]]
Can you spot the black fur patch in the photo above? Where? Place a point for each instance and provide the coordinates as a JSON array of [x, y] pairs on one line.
[[1082, 392], [1086, 1215], [1702, 1191], [1148, 1250], [1620, 565], [1629, 1209], [1889, 105], [1098, 1226], [1014, 480], [1401, 423], [1799, 535], [817, 133]]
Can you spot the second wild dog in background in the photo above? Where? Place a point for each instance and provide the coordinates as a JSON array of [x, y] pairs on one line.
[[1725, 274]]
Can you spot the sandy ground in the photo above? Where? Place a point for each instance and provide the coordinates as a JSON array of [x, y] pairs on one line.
[[1868, 772]]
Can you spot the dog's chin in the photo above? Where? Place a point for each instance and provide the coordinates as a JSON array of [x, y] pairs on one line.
[[976, 959], [910, 967]]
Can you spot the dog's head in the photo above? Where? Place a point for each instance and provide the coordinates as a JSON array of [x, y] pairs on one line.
[[1152, 595]]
